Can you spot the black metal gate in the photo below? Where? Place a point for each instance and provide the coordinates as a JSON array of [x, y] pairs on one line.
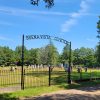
[[29, 37]]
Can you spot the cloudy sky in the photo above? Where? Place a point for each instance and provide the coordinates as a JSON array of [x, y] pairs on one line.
[[72, 20]]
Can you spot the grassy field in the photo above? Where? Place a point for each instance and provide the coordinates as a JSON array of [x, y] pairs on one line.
[[35, 77], [45, 89], [36, 81], [91, 73]]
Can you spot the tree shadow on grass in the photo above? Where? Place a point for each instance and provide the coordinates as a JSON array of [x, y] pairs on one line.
[[59, 79], [7, 96], [90, 86]]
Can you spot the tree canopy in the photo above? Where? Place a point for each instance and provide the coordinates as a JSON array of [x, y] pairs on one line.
[[98, 27], [84, 56], [98, 45], [48, 55]]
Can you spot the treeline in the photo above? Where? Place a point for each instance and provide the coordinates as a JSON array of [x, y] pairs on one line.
[[48, 55]]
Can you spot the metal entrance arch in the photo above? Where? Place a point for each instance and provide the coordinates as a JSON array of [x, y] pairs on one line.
[[30, 37]]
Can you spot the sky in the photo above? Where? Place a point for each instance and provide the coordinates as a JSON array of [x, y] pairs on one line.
[[72, 20]]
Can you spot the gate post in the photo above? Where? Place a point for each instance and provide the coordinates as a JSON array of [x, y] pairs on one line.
[[22, 69], [69, 68], [49, 75]]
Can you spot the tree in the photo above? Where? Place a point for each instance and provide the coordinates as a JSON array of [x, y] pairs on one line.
[[2, 60], [98, 54], [98, 46], [98, 27], [6, 56], [34, 57], [49, 3], [18, 55], [76, 57], [84, 56], [43, 55], [65, 54], [52, 52], [90, 59]]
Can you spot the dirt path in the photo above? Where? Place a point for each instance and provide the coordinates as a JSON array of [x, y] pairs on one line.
[[87, 93], [10, 89]]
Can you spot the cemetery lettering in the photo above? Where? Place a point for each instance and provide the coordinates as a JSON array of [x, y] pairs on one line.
[[30, 37]]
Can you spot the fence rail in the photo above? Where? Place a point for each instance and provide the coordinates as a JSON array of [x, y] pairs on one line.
[[39, 76]]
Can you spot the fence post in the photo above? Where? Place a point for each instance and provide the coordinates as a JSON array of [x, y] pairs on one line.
[[49, 75], [22, 69], [90, 75], [80, 74]]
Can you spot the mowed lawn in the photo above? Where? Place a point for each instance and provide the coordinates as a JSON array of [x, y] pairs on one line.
[[36, 81], [37, 77]]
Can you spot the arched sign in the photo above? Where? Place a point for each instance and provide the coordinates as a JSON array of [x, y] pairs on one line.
[[32, 37]]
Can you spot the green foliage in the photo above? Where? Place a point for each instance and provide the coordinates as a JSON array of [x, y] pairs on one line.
[[65, 54], [18, 52], [98, 54], [43, 55], [6, 56], [52, 54], [42, 90], [84, 56], [49, 55], [34, 56], [58, 77], [98, 23], [98, 46]]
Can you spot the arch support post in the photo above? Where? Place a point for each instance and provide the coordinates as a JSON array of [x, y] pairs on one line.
[[22, 69], [69, 67], [49, 75]]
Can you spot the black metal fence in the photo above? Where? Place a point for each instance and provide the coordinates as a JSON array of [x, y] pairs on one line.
[[35, 76], [10, 76], [85, 74]]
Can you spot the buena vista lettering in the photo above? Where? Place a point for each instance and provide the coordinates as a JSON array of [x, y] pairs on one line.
[[30, 37]]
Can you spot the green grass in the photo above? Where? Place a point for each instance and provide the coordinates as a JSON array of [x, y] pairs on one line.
[[35, 76], [29, 92], [42, 90], [36, 81], [39, 77], [36, 91]]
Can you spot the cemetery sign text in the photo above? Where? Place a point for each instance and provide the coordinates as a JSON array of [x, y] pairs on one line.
[[30, 37]]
